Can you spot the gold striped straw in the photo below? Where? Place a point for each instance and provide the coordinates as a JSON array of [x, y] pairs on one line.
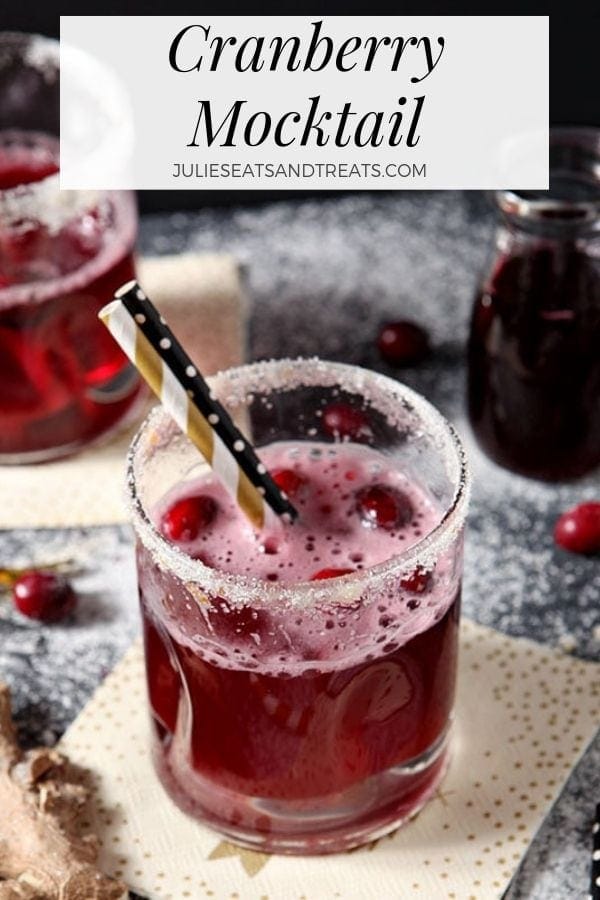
[[147, 340]]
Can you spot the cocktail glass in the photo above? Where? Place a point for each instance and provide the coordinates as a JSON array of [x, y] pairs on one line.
[[309, 717]]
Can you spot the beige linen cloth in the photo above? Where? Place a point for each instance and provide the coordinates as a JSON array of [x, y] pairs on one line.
[[201, 297], [524, 715]]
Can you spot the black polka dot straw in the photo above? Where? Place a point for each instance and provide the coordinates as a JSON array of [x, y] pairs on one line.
[[595, 881], [150, 344]]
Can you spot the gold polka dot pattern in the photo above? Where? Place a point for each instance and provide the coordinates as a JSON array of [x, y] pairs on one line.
[[524, 716]]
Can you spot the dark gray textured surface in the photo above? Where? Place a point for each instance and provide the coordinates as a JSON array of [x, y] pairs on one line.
[[322, 275]]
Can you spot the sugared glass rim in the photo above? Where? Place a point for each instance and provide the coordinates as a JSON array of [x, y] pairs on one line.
[[289, 374]]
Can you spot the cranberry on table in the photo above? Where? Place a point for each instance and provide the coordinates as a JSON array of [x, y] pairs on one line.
[[322, 574], [578, 529], [382, 506], [340, 420], [188, 517], [288, 481], [403, 343], [44, 595]]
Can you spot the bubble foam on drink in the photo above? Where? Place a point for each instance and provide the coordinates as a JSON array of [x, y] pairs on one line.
[[352, 615]]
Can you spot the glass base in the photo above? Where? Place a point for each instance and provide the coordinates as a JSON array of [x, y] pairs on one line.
[[331, 824]]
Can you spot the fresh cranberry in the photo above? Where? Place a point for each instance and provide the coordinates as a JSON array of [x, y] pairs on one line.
[[403, 343], [383, 506], [185, 519], [418, 582], [330, 573], [44, 595], [271, 546], [288, 481], [578, 529], [343, 421]]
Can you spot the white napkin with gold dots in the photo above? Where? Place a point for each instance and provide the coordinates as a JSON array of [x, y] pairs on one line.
[[204, 303], [524, 716]]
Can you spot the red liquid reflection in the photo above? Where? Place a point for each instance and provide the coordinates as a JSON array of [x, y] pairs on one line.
[[64, 380], [534, 363]]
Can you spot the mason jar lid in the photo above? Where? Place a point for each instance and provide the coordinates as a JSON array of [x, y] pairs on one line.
[[573, 199]]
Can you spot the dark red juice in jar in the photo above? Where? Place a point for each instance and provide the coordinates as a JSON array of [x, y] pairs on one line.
[[62, 255], [534, 348], [302, 730]]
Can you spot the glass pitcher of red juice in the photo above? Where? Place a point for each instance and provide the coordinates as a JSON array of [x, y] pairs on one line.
[[65, 383], [534, 349]]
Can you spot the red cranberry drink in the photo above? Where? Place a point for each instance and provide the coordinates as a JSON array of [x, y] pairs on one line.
[[64, 381], [310, 731], [301, 681], [534, 363]]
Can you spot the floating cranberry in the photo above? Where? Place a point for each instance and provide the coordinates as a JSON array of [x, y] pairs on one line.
[[578, 529], [382, 506], [288, 481], [330, 573], [418, 582], [403, 343], [185, 519], [44, 595], [340, 420]]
